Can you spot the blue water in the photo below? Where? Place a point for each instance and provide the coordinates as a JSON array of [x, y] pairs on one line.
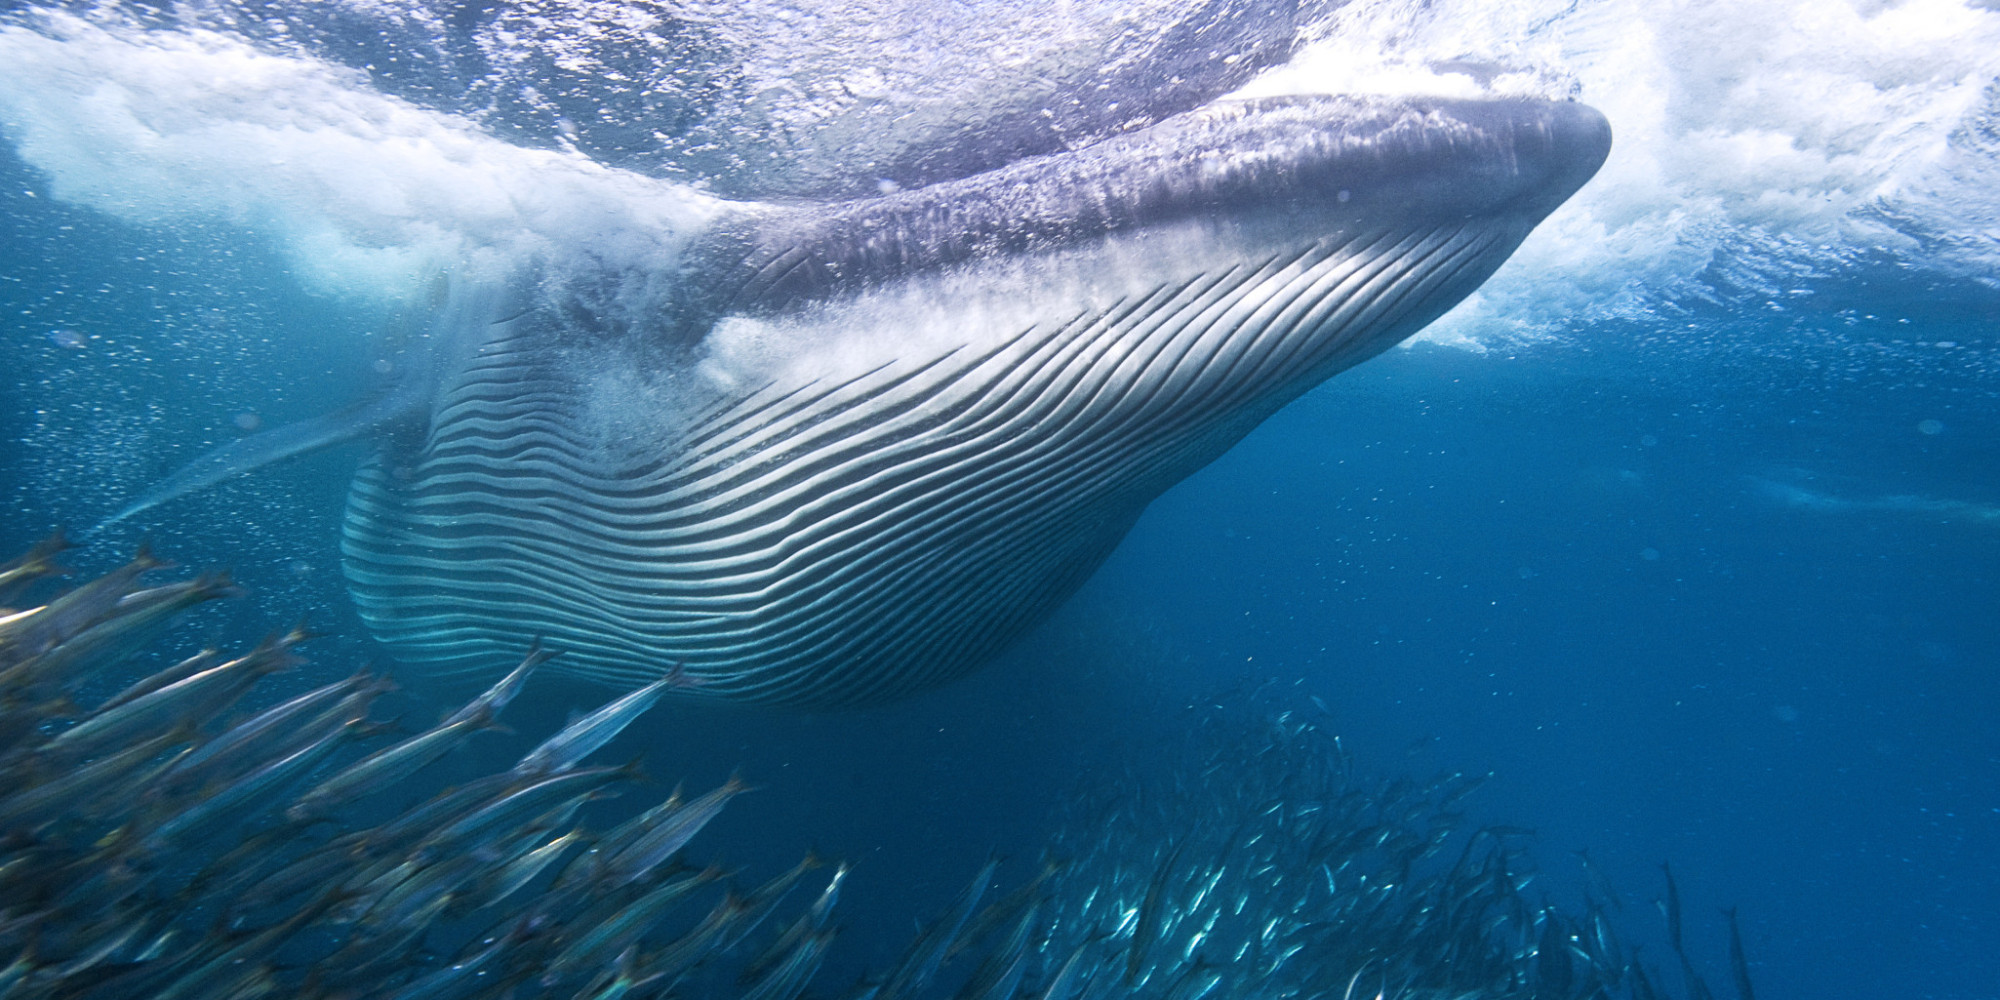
[[1720, 587], [1555, 566]]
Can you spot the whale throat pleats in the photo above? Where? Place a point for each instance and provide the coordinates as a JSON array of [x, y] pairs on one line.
[[846, 540], [861, 446]]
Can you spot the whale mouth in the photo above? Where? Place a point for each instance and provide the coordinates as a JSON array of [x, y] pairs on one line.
[[884, 437]]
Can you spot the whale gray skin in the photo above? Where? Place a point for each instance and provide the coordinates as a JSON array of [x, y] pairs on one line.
[[872, 442]]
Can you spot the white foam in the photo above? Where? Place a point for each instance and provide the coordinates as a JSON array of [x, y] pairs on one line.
[[366, 194], [1796, 134], [1783, 137]]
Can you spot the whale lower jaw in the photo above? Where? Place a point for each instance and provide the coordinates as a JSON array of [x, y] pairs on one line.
[[854, 537]]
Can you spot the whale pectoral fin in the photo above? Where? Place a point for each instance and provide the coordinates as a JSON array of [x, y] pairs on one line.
[[468, 315], [269, 447]]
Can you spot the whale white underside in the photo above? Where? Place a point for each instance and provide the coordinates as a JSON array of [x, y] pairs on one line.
[[863, 511]]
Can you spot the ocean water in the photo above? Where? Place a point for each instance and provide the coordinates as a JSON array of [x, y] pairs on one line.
[[1686, 526]]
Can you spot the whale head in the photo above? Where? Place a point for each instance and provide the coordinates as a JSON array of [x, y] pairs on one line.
[[844, 451]]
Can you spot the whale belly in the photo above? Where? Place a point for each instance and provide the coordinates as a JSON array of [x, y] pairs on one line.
[[869, 443], [866, 533]]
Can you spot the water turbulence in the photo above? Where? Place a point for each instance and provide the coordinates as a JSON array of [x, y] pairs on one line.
[[832, 453]]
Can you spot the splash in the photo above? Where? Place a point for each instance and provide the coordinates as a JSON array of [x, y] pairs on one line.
[[366, 195], [1763, 149]]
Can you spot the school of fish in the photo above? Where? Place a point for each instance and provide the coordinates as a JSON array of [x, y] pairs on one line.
[[1270, 866], [163, 844]]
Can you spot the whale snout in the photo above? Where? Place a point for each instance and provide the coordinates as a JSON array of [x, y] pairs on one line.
[[1396, 161], [1279, 167], [1559, 148]]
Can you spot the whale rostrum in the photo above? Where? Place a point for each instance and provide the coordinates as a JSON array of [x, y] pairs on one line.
[[858, 447]]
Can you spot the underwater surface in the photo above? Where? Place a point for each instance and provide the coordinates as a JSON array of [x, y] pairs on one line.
[[1685, 526]]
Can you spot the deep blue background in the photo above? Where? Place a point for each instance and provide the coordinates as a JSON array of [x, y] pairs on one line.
[[1556, 564]]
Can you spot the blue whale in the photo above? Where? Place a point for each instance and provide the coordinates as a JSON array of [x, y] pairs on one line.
[[866, 444]]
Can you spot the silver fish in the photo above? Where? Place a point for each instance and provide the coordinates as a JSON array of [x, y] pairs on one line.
[[581, 738]]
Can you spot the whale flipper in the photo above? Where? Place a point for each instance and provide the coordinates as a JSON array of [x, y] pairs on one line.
[[469, 310], [268, 447]]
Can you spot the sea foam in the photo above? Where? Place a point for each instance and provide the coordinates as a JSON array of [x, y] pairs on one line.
[[1770, 143], [366, 194]]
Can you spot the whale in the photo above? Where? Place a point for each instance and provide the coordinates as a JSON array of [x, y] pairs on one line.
[[824, 453], [866, 444]]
